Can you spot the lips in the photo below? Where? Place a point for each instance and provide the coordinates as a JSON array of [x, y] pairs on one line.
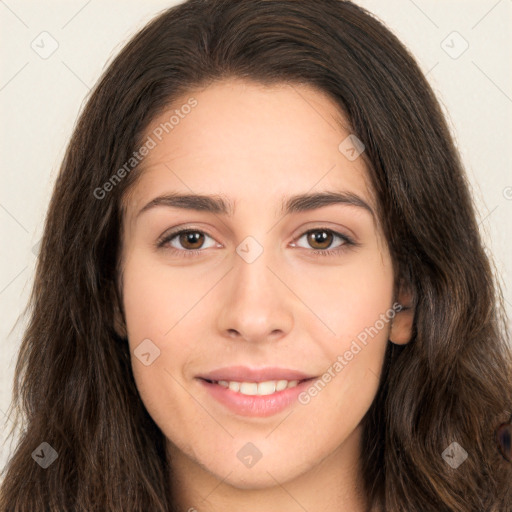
[[246, 374], [251, 405]]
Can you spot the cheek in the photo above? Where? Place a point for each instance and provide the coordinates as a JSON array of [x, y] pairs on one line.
[[156, 296], [149, 323], [163, 317], [354, 302], [351, 297], [151, 302]]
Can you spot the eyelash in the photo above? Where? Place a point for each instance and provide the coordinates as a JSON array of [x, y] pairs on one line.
[[193, 252]]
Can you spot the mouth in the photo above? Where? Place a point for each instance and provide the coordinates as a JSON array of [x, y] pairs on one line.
[[251, 391], [265, 388], [262, 399]]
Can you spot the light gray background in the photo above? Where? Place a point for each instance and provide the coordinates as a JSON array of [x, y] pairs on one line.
[[40, 99]]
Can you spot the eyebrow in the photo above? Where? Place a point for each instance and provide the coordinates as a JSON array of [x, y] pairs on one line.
[[219, 205]]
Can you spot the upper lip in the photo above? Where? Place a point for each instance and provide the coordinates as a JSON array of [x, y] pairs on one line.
[[246, 374]]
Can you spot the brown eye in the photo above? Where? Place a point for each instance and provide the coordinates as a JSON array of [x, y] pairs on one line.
[[320, 239], [186, 241], [322, 242], [191, 239]]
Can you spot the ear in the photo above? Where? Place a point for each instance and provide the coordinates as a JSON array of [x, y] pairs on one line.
[[401, 325]]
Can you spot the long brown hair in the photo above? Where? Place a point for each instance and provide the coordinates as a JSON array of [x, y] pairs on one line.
[[74, 387]]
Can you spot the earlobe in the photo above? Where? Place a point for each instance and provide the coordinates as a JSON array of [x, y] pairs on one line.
[[401, 325]]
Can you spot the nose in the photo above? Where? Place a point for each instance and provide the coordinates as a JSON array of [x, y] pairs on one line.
[[256, 303]]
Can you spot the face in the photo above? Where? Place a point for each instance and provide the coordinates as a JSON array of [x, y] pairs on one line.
[[271, 291]]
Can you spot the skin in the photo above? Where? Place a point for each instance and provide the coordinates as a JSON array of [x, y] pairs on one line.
[[289, 308]]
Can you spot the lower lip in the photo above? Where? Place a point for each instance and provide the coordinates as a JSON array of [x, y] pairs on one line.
[[255, 405]]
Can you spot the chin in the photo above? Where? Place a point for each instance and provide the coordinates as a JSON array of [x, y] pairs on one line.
[[261, 476], [247, 480]]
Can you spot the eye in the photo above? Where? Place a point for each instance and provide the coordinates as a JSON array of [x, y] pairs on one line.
[[321, 240], [190, 240]]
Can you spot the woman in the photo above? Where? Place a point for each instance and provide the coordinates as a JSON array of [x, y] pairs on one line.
[[193, 345]]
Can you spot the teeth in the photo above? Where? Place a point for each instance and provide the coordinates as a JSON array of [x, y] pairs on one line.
[[234, 386], [248, 388], [258, 388], [281, 384]]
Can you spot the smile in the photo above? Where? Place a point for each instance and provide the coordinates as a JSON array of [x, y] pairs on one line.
[[268, 387], [255, 399]]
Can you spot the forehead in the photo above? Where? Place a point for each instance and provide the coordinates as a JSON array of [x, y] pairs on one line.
[[252, 144]]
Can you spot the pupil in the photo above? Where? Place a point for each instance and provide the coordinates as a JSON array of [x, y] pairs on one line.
[[319, 237], [191, 238]]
